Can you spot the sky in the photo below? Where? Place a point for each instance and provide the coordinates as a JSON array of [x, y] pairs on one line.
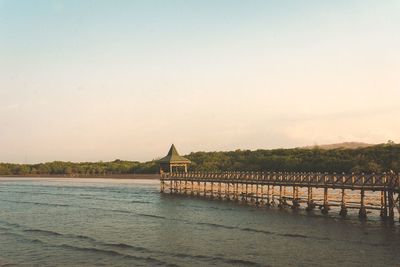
[[84, 80]]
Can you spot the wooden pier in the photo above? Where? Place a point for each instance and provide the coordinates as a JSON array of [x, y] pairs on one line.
[[282, 189]]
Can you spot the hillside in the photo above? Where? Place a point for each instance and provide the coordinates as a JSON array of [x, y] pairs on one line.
[[344, 145]]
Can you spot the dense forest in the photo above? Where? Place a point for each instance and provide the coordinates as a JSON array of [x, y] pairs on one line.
[[379, 158]]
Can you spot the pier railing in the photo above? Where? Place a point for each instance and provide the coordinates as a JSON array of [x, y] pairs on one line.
[[371, 182]]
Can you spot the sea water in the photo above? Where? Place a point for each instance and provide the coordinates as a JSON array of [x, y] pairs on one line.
[[111, 222]]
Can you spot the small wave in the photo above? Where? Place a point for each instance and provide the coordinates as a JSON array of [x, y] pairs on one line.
[[45, 232], [114, 199], [151, 215], [257, 231], [95, 250], [36, 203], [120, 211], [179, 255], [41, 193], [139, 202], [243, 262], [97, 243], [126, 246], [182, 255], [125, 211], [16, 225], [379, 244], [52, 233], [223, 208], [82, 237], [216, 258], [49, 204], [7, 264], [84, 196], [254, 230], [217, 225], [37, 241], [149, 260], [294, 235]]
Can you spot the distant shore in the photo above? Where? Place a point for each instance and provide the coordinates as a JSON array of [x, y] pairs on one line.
[[107, 176]]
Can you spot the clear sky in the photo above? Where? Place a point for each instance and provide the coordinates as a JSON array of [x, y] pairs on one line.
[[99, 80]]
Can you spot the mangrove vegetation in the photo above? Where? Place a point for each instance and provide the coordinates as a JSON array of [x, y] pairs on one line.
[[378, 158]]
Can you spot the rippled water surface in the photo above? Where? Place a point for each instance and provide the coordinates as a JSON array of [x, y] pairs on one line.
[[93, 222]]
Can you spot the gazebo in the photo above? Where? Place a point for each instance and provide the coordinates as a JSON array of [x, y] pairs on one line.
[[173, 162]]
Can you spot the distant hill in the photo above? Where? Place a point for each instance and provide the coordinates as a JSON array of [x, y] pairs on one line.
[[344, 145]]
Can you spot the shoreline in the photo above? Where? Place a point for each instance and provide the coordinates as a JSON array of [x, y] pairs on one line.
[[107, 176]]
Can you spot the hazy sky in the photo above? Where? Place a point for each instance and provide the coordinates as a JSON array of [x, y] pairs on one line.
[[100, 80]]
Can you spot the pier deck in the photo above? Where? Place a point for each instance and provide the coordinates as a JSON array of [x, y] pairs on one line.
[[260, 188]]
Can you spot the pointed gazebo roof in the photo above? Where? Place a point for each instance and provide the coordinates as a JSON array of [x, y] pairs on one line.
[[173, 157]]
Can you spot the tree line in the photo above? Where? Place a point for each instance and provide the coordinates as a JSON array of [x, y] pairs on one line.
[[379, 158], [79, 169]]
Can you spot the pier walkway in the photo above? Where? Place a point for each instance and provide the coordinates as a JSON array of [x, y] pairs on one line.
[[271, 188]]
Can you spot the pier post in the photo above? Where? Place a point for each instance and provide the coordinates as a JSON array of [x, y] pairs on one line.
[[362, 214], [262, 194], [185, 189], [295, 200], [391, 205], [343, 208], [273, 196], [384, 204], [205, 189], [284, 196], [310, 201], [280, 205], [162, 186], [251, 193], [257, 202], [398, 198], [247, 192], [325, 206]]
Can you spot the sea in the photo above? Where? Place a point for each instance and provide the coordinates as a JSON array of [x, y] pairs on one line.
[[126, 222]]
